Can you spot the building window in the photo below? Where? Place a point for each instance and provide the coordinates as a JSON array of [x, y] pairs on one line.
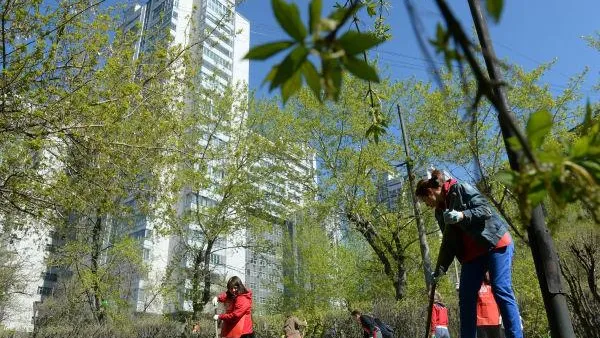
[[217, 7], [44, 291], [158, 10], [51, 277], [217, 259], [141, 296], [216, 58], [146, 254]]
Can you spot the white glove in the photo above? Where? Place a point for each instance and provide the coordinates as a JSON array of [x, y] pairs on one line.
[[215, 301], [453, 216], [216, 317]]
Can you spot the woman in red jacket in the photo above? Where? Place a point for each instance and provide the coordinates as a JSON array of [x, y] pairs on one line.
[[478, 236], [237, 319]]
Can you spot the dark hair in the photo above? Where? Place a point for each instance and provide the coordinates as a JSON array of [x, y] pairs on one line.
[[236, 282], [436, 181], [486, 278], [355, 313]]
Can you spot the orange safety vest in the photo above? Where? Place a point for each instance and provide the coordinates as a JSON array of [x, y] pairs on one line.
[[487, 309]]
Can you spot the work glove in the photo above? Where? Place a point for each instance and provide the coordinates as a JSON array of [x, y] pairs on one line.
[[215, 301], [453, 216], [216, 317]]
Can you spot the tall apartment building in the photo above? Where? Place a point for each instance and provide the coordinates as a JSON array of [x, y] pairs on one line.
[[220, 37], [389, 189]]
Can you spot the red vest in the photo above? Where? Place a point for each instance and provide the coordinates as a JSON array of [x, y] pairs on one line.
[[487, 309]]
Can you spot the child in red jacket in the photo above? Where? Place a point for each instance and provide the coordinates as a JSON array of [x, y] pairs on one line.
[[439, 318]]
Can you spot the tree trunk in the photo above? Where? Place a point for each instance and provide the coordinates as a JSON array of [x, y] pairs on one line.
[[400, 284], [95, 263], [423, 245], [201, 280], [197, 305]]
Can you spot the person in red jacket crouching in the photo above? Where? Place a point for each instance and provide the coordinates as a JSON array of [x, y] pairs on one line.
[[488, 314], [237, 319]]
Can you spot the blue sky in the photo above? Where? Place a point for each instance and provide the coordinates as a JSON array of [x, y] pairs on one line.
[[530, 32]]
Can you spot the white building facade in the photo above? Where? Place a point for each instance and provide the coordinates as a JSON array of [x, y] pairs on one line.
[[220, 37]]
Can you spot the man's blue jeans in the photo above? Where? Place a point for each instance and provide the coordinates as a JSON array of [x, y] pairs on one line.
[[499, 263]]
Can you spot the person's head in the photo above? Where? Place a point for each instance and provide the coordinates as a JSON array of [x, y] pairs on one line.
[[429, 190], [235, 286], [437, 297], [356, 315], [486, 278]]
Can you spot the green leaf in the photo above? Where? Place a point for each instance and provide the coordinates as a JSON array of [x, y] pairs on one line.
[[291, 86], [494, 8], [580, 147], [289, 66], [288, 17], [506, 177], [344, 12], [514, 144], [375, 131], [314, 10], [354, 42], [271, 75], [332, 77], [538, 127], [360, 69], [372, 9], [537, 192], [312, 78], [267, 50], [587, 120], [549, 157], [441, 39], [593, 168]]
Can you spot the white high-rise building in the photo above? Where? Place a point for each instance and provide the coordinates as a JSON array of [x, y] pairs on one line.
[[389, 189], [220, 37]]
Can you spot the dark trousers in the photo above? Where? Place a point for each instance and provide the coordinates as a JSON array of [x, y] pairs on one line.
[[248, 335], [490, 331]]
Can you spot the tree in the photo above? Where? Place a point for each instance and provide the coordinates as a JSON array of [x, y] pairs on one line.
[[579, 268], [229, 184], [350, 172], [86, 127]]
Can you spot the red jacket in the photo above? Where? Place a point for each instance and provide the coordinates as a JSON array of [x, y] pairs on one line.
[[487, 309], [237, 319], [439, 316]]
